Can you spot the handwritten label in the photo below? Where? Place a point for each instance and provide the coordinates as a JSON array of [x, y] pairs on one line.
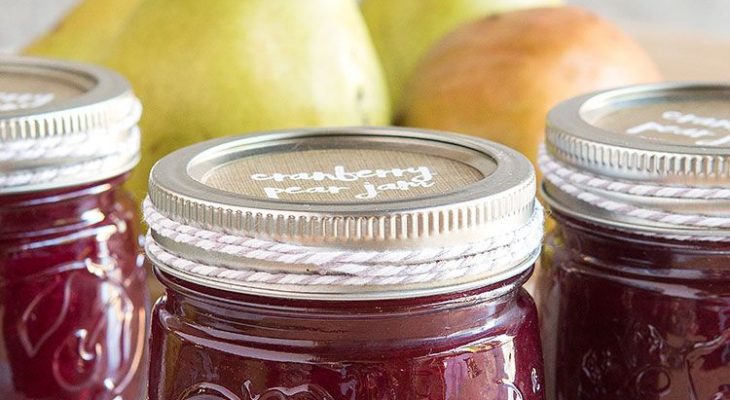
[[701, 130], [361, 184], [344, 175], [10, 101]]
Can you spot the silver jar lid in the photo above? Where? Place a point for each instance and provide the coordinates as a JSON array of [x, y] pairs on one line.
[[344, 188], [657, 135], [63, 124]]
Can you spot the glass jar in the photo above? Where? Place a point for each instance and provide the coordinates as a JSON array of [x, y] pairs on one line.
[[635, 288], [325, 330], [73, 293], [477, 344]]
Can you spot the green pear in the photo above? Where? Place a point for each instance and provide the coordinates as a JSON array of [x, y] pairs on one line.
[[85, 33], [403, 30], [205, 69]]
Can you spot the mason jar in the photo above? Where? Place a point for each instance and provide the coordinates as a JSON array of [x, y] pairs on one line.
[[73, 297], [635, 287], [344, 264]]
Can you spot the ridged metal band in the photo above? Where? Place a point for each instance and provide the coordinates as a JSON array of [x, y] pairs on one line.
[[572, 139], [635, 164], [107, 101], [503, 200], [69, 122], [404, 225]]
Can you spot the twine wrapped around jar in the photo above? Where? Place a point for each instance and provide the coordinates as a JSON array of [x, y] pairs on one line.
[[580, 184], [493, 255]]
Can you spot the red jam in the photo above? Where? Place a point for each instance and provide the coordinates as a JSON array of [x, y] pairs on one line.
[[632, 317], [73, 295], [210, 345]]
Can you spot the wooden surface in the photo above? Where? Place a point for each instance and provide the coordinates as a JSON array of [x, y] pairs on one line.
[[687, 56]]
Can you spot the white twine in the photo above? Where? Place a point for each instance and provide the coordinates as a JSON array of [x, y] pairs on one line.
[[121, 153], [579, 184], [77, 145], [327, 266], [95, 151]]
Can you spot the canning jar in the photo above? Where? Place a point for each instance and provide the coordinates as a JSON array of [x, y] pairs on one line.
[[635, 287], [344, 264], [73, 296]]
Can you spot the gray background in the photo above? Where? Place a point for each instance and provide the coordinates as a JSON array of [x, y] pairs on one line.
[[21, 20]]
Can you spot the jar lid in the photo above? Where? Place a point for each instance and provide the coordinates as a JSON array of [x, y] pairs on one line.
[[349, 189], [659, 149], [63, 124]]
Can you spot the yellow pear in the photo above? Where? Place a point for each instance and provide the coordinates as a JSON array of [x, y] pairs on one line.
[[86, 32], [205, 69], [403, 30]]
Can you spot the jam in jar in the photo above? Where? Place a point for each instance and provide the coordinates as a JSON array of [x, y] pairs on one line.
[[634, 291], [73, 295], [344, 264]]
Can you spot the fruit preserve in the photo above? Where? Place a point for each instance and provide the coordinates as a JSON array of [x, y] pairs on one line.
[[635, 287], [73, 296], [344, 264]]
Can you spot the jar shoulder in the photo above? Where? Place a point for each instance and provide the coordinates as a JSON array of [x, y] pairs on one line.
[[583, 248], [45, 216], [486, 323], [501, 361]]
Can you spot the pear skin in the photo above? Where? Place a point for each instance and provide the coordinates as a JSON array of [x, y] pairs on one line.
[[498, 77], [205, 69], [86, 32], [403, 30]]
